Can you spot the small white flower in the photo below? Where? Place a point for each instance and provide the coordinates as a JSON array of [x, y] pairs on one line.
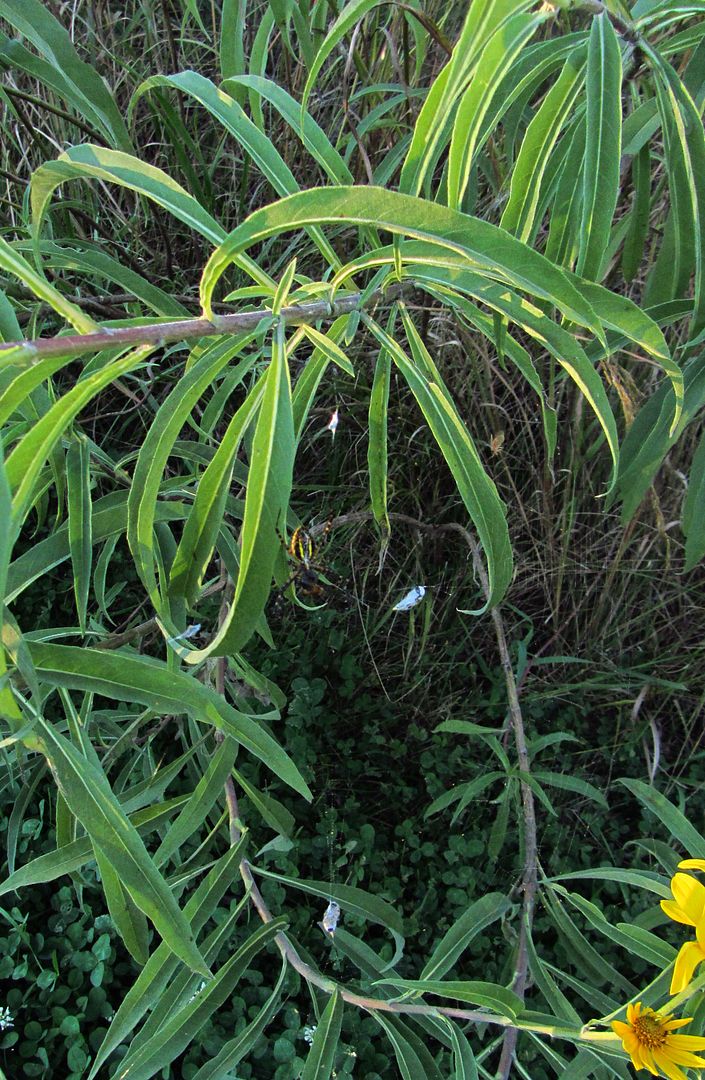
[[309, 1033], [6, 1018]]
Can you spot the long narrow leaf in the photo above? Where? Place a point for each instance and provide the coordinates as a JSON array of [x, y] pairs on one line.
[[268, 489], [321, 1056], [119, 676], [603, 144]]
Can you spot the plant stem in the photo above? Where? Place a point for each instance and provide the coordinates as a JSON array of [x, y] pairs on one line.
[[187, 329]]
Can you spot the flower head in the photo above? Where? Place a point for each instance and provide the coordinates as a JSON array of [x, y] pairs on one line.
[[688, 907], [648, 1038]]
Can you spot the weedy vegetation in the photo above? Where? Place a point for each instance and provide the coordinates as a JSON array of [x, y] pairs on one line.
[[352, 494]]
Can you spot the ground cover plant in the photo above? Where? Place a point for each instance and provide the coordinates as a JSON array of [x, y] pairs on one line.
[[351, 387]]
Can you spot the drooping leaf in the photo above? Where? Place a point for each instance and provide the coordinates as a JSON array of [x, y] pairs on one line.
[[487, 249], [116, 675]]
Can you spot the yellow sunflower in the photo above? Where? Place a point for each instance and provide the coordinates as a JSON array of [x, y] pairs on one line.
[[688, 907], [648, 1038]]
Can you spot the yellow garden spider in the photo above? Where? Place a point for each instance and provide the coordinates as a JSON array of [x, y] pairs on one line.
[[304, 551]]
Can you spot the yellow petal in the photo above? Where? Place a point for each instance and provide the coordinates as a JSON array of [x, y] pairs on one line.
[[633, 1010], [667, 1067], [686, 1042], [692, 864], [675, 912], [623, 1030], [688, 958], [631, 1042], [645, 1060], [671, 1025], [689, 894], [685, 1058]]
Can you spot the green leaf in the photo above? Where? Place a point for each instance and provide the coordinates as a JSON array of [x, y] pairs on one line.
[[220, 1067], [495, 60], [91, 800], [464, 1064], [651, 435], [556, 999], [207, 790], [80, 85], [519, 215], [123, 677], [572, 783], [466, 727], [693, 521], [200, 533], [377, 459], [95, 162], [109, 519], [274, 813], [302, 123], [180, 1028], [355, 901], [129, 920], [14, 263], [603, 145], [476, 489], [146, 991], [232, 35], [21, 380], [486, 248], [72, 856], [227, 112], [466, 793], [157, 446], [432, 128], [675, 822], [562, 242], [636, 940], [488, 995], [413, 1059], [558, 341], [185, 986], [5, 537], [329, 348], [639, 879], [321, 1056], [78, 484], [346, 20], [91, 263], [266, 503], [309, 379], [481, 914], [684, 142], [635, 241], [592, 965], [29, 455]]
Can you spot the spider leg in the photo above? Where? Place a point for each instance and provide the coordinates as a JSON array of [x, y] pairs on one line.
[[327, 574], [280, 593]]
